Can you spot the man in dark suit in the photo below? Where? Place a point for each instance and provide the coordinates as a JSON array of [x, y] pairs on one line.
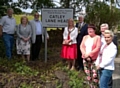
[[82, 31]]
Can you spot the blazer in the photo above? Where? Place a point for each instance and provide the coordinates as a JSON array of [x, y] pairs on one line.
[[108, 56], [95, 48], [83, 32], [21, 32], [73, 34], [33, 26]]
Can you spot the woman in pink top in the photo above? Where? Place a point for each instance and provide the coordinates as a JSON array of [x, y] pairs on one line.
[[90, 47]]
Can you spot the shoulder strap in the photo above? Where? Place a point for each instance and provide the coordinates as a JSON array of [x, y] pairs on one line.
[[71, 31]]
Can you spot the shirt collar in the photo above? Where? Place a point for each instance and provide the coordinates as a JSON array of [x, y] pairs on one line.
[[10, 17]]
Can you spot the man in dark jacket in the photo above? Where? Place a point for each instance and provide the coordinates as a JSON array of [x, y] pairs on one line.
[[82, 31]]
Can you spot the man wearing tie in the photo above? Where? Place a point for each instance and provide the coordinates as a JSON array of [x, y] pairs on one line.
[[82, 31]]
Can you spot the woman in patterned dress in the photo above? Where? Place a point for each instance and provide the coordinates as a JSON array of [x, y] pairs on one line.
[[23, 42], [69, 48], [90, 48]]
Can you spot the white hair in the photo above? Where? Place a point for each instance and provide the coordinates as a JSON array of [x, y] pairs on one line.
[[82, 16], [104, 25]]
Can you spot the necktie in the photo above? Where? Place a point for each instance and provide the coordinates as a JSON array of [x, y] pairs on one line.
[[79, 27]]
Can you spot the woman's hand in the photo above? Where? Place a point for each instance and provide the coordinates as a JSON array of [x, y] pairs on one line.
[[87, 55], [66, 41], [25, 39], [98, 67], [83, 56], [88, 59]]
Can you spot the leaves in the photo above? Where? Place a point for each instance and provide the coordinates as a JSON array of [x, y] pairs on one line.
[[100, 12]]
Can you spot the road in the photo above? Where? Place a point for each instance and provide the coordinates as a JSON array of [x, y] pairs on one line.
[[116, 74]]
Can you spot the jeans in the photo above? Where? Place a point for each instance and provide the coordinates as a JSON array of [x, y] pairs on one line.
[[105, 76], [8, 40], [110, 83]]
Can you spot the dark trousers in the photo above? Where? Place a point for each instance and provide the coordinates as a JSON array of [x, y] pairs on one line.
[[79, 61], [35, 49]]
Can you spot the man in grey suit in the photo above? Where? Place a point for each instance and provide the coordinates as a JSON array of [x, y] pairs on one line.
[[37, 36]]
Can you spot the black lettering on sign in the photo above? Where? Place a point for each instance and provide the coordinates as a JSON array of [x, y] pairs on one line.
[[50, 20], [57, 16], [62, 20]]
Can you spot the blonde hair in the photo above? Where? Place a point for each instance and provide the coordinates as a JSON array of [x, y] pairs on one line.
[[70, 19], [109, 32], [23, 18], [104, 25]]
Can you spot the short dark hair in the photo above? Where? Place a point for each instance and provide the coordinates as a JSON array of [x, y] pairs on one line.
[[92, 26]]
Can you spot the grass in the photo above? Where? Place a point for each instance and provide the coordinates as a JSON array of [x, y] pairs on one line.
[[18, 17], [30, 17]]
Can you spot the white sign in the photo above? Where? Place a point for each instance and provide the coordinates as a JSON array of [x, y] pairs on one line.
[[56, 17]]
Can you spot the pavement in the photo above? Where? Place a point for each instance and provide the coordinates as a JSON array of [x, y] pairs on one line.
[[116, 74]]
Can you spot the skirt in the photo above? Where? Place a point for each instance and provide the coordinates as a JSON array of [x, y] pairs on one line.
[[23, 47], [69, 51]]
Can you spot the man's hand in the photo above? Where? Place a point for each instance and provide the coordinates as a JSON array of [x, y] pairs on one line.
[[0, 31], [0, 34]]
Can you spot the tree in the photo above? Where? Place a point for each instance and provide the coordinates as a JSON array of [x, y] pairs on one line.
[[35, 4], [100, 12], [3, 7], [17, 11], [75, 4]]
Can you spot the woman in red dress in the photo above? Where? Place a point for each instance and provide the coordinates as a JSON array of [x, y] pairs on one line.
[[69, 47]]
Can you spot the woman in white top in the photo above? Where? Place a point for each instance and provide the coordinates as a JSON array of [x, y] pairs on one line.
[[69, 48], [105, 59]]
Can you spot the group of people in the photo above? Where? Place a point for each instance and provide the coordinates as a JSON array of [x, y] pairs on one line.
[[94, 54], [29, 35], [81, 47]]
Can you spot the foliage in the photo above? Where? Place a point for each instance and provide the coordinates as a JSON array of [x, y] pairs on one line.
[[4, 4], [25, 85], [21, 68], [3, 10], [100, 12], [17, 11], [77, 82], [35, 4], [76, 78]]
